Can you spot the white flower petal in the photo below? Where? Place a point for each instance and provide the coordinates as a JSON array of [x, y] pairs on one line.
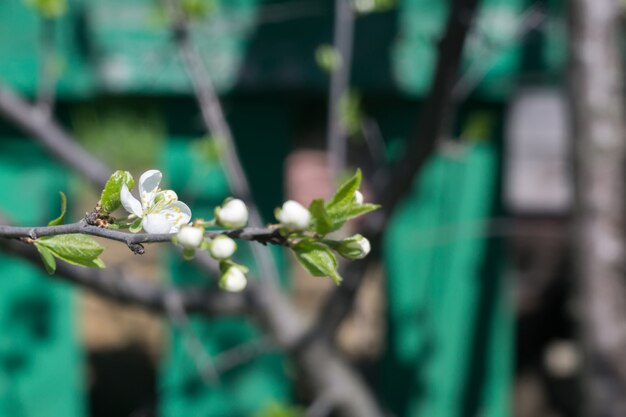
[[148, 186], [234, 280], [178, 214], [156, 223], [222, 247], [190, 237], [233, 214], [130, 203], [294, 216]]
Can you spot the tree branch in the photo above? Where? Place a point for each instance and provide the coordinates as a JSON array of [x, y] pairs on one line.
[[52, 136], [340, 80], [215, 122], [267, 235], [394, 183]]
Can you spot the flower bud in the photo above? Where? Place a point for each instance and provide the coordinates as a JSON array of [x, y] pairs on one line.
[[233, 280], [358, 197], [222, 247], [293, 216], [233, 214], [190, 237], [354, 247]]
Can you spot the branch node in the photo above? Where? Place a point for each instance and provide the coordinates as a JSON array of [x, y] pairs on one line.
[[136, 248]]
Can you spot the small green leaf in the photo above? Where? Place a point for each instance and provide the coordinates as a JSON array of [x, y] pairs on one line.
[[317, 259], [59, 220], [345, 194], [48, 259], [360, 209], [110, 198], [75, 249], [320, 220]]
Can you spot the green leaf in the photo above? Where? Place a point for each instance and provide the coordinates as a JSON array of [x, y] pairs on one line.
[[345, 194], [360, 209], [317, 259], [320, 220], [110, 197], [59, 220], [75, 249], [48, 259]]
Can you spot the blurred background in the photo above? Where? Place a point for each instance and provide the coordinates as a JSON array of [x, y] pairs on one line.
[[470, 302]]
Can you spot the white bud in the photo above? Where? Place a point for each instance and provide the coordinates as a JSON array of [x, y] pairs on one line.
[[358, 197], [294, 216], [233, 280], [354, 247], [233, 214], [222, 247], [190, 237]]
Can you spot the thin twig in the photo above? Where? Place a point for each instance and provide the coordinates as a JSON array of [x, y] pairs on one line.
[[215, 122], [392, 184], [336, 136], [268, 235], [243, 353], [51, 135]]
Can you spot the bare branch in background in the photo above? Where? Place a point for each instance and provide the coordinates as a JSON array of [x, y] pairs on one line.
[[215, 122], [46, 84], [596, 88], [52, 136], [115, 285], [396, 181], [336, 135], [531, 19]]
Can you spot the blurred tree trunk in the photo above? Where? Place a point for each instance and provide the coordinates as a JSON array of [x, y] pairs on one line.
[[596, 88]]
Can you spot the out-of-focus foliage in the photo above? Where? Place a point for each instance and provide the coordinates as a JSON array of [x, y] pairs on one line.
[[371, 6], [48, 8], [350, 113], [280, 410], [198, 8], [123, 135], [328, 58]]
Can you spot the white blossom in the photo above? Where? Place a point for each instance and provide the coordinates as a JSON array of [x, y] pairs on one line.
[[354, 247], [294, 216], [222, 247], [233, 280], [233, 214], [160, 210], [190, 237]]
